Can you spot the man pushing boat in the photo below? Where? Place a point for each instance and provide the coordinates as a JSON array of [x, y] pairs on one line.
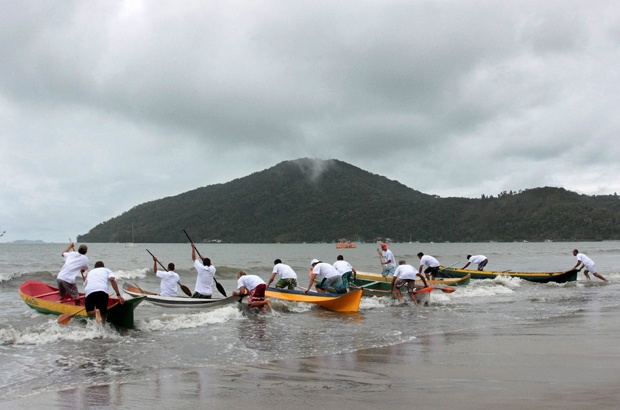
[[405, 275]]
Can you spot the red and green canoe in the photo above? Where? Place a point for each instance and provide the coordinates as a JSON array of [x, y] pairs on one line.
[[45, 298]]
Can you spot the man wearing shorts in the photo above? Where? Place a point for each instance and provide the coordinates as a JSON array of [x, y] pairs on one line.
[[288, 277], [431, 263], [255, 287], [331, 277], [587, 263], [481, 260], [405, 275], [96, 290], [75, 263], [387, 261]]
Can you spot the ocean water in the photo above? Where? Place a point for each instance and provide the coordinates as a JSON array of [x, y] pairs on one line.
[[38, 355]]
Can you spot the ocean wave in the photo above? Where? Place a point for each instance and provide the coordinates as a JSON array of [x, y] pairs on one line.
[[131, 274], [52, 332], [37, 275], [190, 320]]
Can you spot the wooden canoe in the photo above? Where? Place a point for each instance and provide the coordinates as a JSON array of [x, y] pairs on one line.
[[365, 277], [346, 302], [373, 288], [540, 277], [45, 298], [178, 301]]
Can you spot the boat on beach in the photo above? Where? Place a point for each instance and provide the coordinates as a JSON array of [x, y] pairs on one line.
[[346, 302], [540, 277], [178, 301], [45, 298]]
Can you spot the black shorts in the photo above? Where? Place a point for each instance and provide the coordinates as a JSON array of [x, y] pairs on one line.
[[432, 270], [197, 295], [97, 300]]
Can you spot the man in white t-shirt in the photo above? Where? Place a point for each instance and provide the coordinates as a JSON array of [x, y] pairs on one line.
[[255, 287], [347, 272], [481, 260], [204, 280], [288, 277], [75, 263], [387, 260], [405, 274], [169, 279], [587, 263], [331, 277], [431, 263], [96, 291]]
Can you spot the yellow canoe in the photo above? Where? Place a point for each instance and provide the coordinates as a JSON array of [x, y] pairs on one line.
[[346, 302]]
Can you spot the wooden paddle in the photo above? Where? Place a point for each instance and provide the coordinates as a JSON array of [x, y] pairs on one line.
[[446, 267], [65, 318], [137, 286], [445, 289], [184, 288], [219, 287]]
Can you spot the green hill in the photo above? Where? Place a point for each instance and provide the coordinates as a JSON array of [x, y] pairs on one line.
[[310, 200]]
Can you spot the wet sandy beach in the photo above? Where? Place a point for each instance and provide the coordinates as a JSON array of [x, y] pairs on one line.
[[564, 363]]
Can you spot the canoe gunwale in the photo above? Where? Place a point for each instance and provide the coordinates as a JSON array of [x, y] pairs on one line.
[[178, 301], [539, 277]]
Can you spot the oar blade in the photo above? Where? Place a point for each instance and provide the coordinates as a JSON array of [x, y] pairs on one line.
[[446, 289], [220, 288], [186, 290], [64, 318]]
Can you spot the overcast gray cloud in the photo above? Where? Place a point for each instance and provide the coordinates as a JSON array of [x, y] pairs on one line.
[[105, 105]]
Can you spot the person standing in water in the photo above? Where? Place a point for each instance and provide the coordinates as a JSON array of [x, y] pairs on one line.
[[75, 263], [387, 260], [584, 262]]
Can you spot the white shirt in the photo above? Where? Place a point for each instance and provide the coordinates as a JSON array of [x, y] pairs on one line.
[[74, 263], [429, 261], [405, 272], [587, 262], [97, 280], [343, 267], [477, 258], [169, 280], [249, 282], [204, 281], [285, 271], [325, 269], [388, 256]]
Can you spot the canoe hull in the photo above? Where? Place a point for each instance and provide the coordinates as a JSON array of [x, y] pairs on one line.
[[364, 278], [540, 277], [45, 299], [178, 301], [347, 302]]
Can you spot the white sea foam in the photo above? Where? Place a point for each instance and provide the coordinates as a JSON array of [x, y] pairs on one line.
[[191, 320], [482, 288], [375, 302], [508, 281], [52, 332], [131, 274], [295, 307]]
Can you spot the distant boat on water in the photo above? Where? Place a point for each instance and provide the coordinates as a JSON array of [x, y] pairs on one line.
[[345, 244]]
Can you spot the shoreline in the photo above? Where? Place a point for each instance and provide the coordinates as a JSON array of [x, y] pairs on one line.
[[560, 363]]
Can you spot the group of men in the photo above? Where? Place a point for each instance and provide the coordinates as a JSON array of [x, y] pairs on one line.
[[337, 276]]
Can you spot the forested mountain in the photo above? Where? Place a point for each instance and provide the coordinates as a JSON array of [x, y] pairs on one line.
[[309, 200]]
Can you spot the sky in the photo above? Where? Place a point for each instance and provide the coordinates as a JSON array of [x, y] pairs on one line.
[[105, 105]]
